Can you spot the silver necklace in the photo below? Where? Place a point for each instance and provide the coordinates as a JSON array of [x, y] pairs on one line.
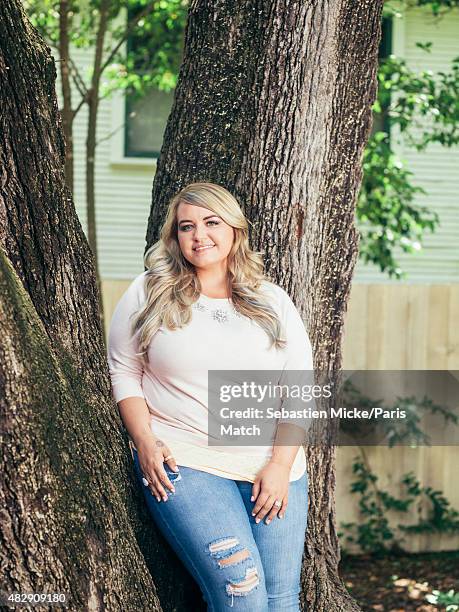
[[221, 315]]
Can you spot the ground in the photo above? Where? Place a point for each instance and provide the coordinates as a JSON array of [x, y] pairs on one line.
[[397, 583]]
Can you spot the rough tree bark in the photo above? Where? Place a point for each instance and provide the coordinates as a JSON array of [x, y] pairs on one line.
[[273, 102], [72, 518]]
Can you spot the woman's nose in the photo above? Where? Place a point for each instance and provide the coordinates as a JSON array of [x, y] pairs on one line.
[[199, 232]]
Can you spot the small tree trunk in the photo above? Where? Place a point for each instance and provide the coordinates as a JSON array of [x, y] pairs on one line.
[[93, 102], [274, 103], [66, 110]]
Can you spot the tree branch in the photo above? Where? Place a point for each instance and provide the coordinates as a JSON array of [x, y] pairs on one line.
[[129, 28], [112, 133], [78, 79], [83, 100]]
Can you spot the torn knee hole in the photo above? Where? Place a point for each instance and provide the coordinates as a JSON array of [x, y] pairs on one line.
[[222, 544], [244, 585], [236, 557]]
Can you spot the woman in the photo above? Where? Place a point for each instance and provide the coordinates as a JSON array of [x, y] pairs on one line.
[[203, 304]]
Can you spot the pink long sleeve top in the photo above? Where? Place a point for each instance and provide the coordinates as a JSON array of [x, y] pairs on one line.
[[174, 383]]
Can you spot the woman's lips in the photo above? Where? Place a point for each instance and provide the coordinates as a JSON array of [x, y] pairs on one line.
[[204, 248]]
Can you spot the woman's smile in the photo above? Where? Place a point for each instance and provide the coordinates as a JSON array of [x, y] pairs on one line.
[[201, 249]]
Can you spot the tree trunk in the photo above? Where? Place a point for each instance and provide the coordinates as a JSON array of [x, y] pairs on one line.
[[93, 104], [73, 518], [274, 102], [66, 111]]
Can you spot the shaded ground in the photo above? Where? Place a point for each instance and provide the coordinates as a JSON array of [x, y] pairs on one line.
[[399, 583]]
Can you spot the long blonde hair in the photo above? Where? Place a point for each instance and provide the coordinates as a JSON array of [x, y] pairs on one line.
[[172, 286]]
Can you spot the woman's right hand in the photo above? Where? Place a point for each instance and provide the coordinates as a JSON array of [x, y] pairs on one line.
[[151, 453]]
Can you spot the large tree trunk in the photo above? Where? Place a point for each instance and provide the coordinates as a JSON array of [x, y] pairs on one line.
[[73, 518], [274, 102]]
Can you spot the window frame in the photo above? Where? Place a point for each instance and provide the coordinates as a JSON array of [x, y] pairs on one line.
[[118, 155]]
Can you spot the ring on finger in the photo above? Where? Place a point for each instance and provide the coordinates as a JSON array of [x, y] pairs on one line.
[[278, 503], [145, 481]]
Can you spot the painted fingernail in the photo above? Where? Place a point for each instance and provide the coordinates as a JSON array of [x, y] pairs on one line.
[[252, 498], [158, 498], [281, 516], [253, 513], [257, 520], [268, 521]]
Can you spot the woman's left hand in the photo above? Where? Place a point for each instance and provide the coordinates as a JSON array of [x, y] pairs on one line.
[[271, 484]]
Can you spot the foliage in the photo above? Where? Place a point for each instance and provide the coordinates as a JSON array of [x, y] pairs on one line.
[[135, 45], [397, 431], [387, 213], [449, 600], [423, 108], [153, 61], [438, 6], [374, 532], [425, 105]]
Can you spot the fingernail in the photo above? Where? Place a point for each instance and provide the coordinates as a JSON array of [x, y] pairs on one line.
[[252, 498], [158, 498], [281, 516], [268, 521], [257, 520], [253, 513]]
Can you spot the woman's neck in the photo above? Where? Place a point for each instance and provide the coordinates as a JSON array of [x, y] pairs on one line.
[[214, 285]]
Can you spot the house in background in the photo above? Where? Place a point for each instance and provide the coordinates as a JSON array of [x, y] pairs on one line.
[[390, 324], [130, 136]]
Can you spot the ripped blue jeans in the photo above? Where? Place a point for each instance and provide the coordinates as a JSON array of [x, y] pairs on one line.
[[237, 563]]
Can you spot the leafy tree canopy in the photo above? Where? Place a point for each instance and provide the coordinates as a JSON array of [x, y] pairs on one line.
[[422, 106]]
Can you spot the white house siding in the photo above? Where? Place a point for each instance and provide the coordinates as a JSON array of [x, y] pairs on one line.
[[123, 187], [123, 192], [436, 169]]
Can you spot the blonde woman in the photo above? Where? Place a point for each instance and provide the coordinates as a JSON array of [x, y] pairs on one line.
[[236, 516]]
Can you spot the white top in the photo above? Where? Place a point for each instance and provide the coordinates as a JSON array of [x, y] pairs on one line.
[[175, 382]]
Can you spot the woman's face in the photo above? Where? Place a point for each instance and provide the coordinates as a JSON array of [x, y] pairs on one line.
[[204, 238]]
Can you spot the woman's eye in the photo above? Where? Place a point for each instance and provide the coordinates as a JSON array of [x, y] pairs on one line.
[[185, 228]]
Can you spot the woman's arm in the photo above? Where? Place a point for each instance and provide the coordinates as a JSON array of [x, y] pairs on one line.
[[272, 481], [298, 372], [136, 418], [126, 366], [125, 363], [126, 373], [286, 444], [151, 451]]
